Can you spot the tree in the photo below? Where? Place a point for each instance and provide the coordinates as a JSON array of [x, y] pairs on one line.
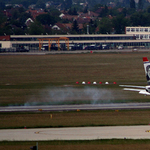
[[85, 10], [92, 26], [75, 27], [105, 26], [36, 28], [119, 23], [132, 4], [40, 4], [3, 18], [46, 19], [2, 5], [104, 12], [72, 11], [140, 4], [67, 4], [148, 9], [15, 14], [96, 7], [139, 19]]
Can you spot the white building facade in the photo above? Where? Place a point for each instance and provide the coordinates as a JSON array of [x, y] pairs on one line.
[[139, 32]]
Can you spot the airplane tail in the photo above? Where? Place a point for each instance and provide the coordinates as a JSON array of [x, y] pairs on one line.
[[147, 69]]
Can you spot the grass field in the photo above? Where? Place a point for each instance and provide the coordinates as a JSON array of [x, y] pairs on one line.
[[113, 144], [25, 78], [75, 119], [32, 80]]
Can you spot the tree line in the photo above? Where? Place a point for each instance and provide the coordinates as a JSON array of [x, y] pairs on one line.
[[109, 21]]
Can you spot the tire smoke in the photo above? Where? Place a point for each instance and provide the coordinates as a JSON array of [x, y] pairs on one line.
[[71, 95]]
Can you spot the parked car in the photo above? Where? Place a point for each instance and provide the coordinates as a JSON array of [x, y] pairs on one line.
[[77, 47], [120, 47], [99, 47], [45, 47], [91, 47], [22, 49], [104, 46]]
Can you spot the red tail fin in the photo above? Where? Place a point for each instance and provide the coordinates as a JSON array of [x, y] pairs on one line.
[[145, 59]]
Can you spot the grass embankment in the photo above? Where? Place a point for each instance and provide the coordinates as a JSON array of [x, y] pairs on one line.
[[113, 144], [75, 119]]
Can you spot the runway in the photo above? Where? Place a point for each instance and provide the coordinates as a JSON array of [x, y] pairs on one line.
[[79, 133], [75, 107], [76, 133]]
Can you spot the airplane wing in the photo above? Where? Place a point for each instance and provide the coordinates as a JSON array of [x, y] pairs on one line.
[[137, 90], [141, 91], [133, 86]]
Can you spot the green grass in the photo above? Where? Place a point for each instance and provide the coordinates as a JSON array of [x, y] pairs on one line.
[[113, 144], [25, 77], [74, 119], [29, 78]]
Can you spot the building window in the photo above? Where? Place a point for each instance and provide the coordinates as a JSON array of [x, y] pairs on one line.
[[137, 36], [128, 29], [132, 29], [146, 29], [141, 36], [141, 30], [137, 29], [146, 36]]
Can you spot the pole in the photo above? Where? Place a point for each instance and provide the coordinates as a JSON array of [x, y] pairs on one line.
[[36, 145]]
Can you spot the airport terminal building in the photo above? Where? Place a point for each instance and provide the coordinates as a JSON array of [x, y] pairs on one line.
[[34, 42], [139, 32]]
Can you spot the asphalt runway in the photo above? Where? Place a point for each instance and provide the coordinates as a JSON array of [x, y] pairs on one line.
[[75, 107], [79, 133]]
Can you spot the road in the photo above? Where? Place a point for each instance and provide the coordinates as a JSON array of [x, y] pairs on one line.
[[37, 52], [76, 107], [79, 133]]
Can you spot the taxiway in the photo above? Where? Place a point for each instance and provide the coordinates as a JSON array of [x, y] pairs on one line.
[[79, 133]]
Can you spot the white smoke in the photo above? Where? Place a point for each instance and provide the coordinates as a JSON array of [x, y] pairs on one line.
[[71, 95]]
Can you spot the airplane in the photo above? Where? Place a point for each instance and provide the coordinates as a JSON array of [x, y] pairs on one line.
[[141, 89]]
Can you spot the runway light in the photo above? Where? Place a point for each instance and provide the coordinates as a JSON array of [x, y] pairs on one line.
[[106, 82], [51, 116], [91, 52], [114, 83], [89, 82], [83, 82], [77, 82], [94, 82], [100, 82]]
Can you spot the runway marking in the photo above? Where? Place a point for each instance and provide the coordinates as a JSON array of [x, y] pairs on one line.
[[147, 131], [41, 132]]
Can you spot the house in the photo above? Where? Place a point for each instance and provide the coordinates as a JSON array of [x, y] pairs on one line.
[[35, 13], [65, 27], [5, 38], [69, 17], [28, 22], [60, 27]]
